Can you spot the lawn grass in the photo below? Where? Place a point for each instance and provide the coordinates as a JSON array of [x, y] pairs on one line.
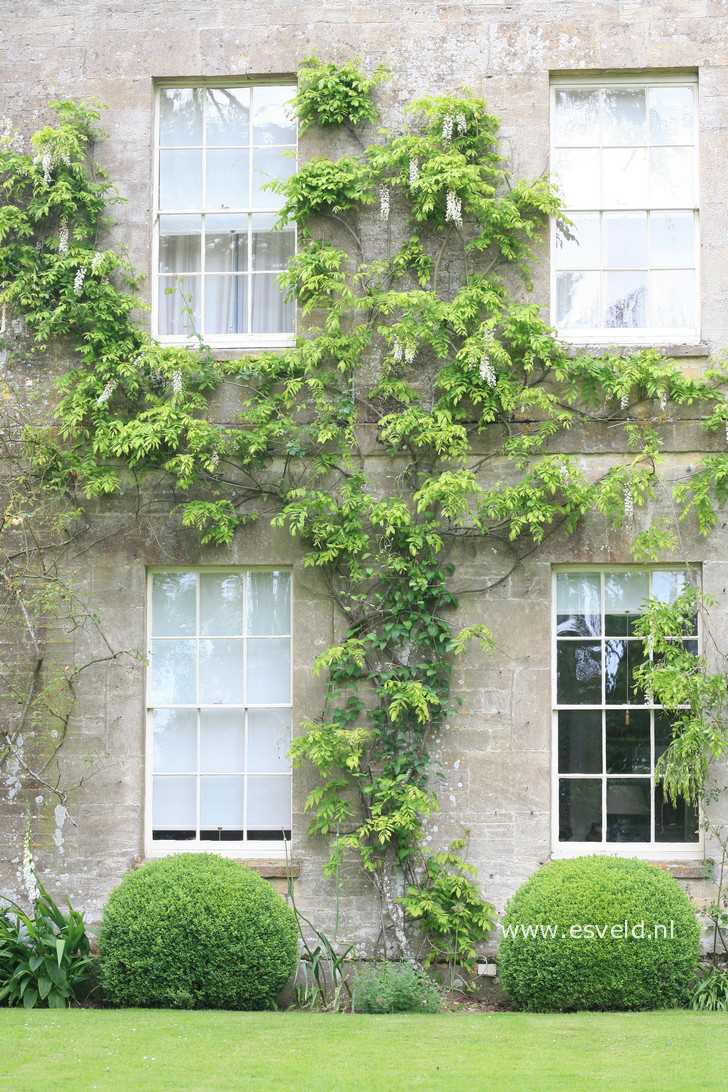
[[144, 1049]]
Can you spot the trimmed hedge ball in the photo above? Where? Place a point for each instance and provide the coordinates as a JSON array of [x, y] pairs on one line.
[[587, 963], [196, 931]]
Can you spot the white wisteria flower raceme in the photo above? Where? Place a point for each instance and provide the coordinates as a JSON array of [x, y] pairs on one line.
[[106, 393], [663, 401], [97, 261], [628, 503], [177, 383], [461, 123], [454, 209], [414, 170], [384, 202], [624, 401], [29, 878], [397, 350], [409, 352], [448, 123], [63, 236], [78, 280]]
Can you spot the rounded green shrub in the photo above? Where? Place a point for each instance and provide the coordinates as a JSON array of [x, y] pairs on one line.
[[562, 947], [195, 931]]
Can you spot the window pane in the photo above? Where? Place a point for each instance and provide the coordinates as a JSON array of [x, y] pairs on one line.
[[269, 804], [221, 802], [269, 672], [175, 741], [269, 740], [173, 672], [623, 115], [671, 115], [675, 822], [221, 672], [580, 810], [577, 300], [624, 594], [271, 312], [673, 298], [671, 176], [173, 604], [268, 165], [578, 604], [577, 172], [227, 179], [226, 243], [625, 240], [628, 810], [667, 584], [228, 115], [221, 604], [179, 244], [576, 116], [577, 246], [625, 300], [173, 802], [179, 305], [672, 239], [271, 249], [580, 741], [620, 660], [628, 741], [180, 116], [269, 603], [663, 731], [222, 741], [578, 673], [273, 122], [625, 177], [180, 180], [226, 304]]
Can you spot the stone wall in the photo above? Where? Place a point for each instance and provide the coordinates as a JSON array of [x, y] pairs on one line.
[[496, 753]]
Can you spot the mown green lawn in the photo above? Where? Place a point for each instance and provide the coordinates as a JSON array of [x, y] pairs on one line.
[[142, 1049]]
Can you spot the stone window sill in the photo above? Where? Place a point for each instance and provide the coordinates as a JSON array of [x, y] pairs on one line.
[[687, 870], [698, 349]]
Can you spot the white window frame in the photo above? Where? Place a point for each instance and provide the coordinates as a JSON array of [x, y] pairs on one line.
[[215, 341], [649, 851], [647, 335], [248, 849]]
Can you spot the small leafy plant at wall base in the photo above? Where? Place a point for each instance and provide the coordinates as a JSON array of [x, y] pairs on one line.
[[416, 343]]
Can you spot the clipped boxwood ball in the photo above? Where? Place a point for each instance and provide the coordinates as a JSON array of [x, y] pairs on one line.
[[600, 969], [196, 931]]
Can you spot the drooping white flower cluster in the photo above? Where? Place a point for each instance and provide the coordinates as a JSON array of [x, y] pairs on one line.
[[106, 393], [63, 236], [97, 261], [564, 475], [384, 202], [624, 401], [454, 209], [397, 351], [461, 123], [628, 503], [215, 459], [78, 280], [663, 401], [409, 352], [414, 170], [448, 124], [177, 383], [137, 361], [29, 878], [487, 371], [15, 142], [47, 160]]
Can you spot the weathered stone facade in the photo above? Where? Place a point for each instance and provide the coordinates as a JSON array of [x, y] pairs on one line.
[[497, 752]]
